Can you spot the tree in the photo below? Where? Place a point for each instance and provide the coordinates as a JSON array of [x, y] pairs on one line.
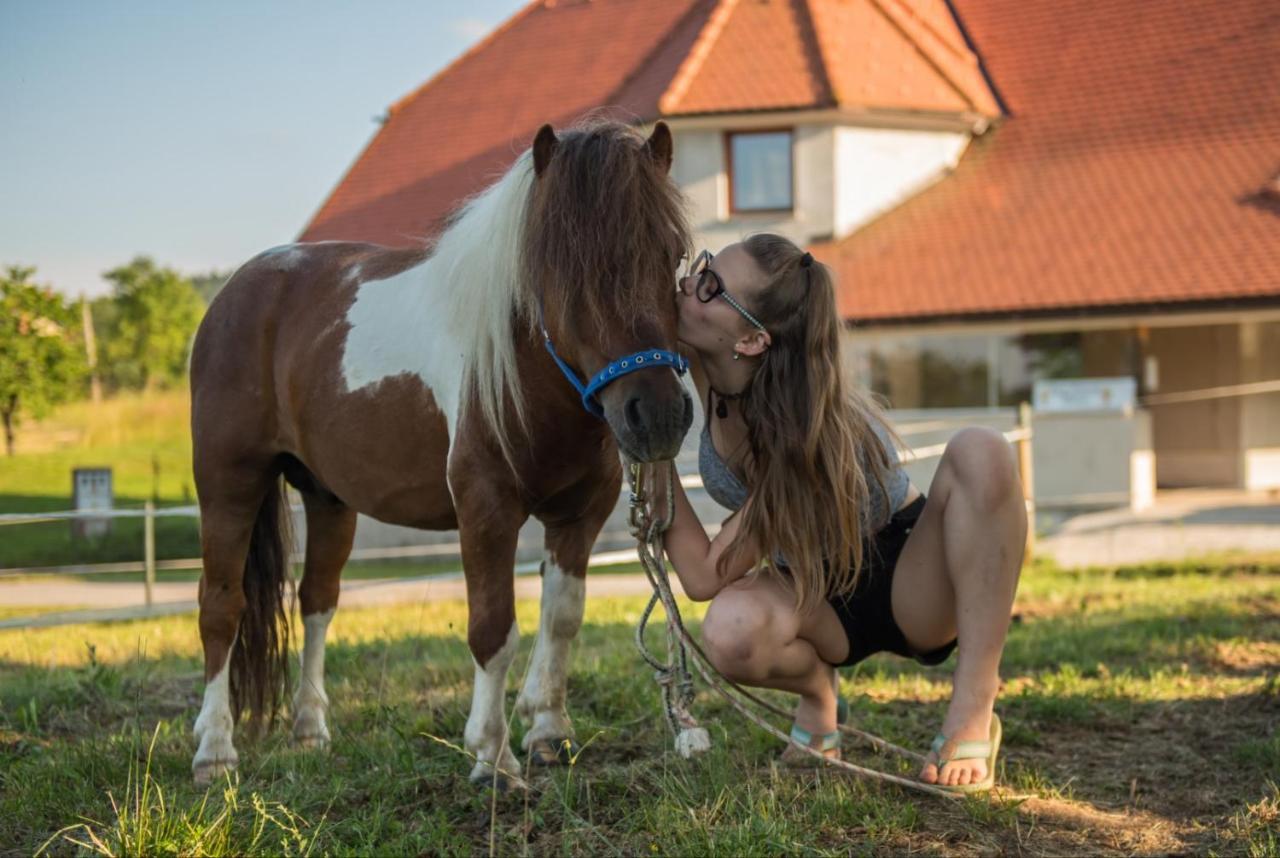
[[156, 314], [209, 284], [41, 355]]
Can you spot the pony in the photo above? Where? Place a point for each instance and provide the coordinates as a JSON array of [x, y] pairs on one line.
[[423, 386]]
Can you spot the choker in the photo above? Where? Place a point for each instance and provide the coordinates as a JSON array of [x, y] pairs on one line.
[[722, 410]]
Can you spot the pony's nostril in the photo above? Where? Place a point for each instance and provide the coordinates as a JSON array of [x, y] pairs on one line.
[[632, 412], [688, 412]]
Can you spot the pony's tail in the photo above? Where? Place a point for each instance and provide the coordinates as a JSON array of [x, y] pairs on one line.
[[260, 658]]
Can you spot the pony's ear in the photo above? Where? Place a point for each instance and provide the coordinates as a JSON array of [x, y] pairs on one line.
[[660, 146], [544, 146]]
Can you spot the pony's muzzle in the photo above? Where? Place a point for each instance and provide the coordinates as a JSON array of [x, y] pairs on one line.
[[654, 421]]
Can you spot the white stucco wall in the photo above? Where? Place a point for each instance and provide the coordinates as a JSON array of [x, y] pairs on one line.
[[843, 177], [878, 168]]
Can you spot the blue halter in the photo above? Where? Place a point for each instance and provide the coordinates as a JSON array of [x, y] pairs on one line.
[[614, 371]]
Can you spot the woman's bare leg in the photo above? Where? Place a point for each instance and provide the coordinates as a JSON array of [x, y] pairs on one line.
[[753, 635], [957, 577]]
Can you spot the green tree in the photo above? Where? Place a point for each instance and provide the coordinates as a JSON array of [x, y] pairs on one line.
[[209, 284], [42, 358], [156, 311]]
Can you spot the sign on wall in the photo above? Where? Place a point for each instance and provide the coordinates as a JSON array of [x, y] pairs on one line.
[[1084, 394], [91, 489]]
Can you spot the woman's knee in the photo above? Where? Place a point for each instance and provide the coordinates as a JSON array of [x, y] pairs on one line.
[[735, 634], [982, 464]]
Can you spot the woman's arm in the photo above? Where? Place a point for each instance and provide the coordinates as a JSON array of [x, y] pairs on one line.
[[695, 556]]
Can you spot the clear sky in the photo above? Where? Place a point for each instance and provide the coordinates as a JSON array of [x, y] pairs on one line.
[[197, 133]]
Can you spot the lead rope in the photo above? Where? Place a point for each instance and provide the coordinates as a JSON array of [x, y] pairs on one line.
[[673, 676]]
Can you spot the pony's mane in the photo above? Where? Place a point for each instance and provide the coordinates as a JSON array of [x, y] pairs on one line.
[[477, 258], [602, 225]]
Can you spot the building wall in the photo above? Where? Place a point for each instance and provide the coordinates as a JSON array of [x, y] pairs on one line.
[[843, 177], [1231, 442], [1260, 413], [1197, 443], [878, 168]]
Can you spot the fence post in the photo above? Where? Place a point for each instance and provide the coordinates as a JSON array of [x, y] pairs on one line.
[[1028, 479], [149, 538]]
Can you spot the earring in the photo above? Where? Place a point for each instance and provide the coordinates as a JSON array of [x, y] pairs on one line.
[[736, 355]]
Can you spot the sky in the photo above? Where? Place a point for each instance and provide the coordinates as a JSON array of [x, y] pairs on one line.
[[196, 133]]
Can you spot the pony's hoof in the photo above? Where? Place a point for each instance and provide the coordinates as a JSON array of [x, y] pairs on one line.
[[553, 752], [504, 782], [314, 742], [207, 772]]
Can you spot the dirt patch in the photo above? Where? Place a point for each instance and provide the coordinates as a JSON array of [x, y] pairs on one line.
[[1250, 657]]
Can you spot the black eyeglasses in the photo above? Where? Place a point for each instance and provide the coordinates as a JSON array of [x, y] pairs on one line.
[[709, 286]]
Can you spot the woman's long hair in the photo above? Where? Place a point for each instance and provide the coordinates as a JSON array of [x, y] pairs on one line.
[[813, 450]]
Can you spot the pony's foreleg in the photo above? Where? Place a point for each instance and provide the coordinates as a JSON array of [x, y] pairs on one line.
[[488, 538], [331, 528], [541, 704]]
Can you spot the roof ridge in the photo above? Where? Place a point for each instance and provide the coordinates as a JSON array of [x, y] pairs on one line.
[[468, 53], [658, 47], [670, 98], [924, 54]]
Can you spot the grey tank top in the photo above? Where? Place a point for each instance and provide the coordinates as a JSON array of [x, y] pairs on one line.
[[728, 491]]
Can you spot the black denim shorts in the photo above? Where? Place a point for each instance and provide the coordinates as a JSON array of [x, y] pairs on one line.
[[867, 612]]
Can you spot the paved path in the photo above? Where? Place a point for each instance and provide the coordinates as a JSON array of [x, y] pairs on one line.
[[121, 601], [1183, 524]]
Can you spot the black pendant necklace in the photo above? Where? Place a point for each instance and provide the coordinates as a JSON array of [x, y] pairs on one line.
[[722, 410]]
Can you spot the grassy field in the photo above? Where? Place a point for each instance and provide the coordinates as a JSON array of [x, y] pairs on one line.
[[1141, 710], [144, 438]]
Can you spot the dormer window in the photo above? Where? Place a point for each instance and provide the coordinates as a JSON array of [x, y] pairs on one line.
[[760, 171]]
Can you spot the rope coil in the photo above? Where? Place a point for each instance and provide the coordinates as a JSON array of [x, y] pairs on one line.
[[673, 675]]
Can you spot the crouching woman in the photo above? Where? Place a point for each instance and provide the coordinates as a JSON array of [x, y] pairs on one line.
[[832, 554]]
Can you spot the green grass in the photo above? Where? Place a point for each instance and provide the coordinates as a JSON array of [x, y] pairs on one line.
[[144, 438], [1141, 707]]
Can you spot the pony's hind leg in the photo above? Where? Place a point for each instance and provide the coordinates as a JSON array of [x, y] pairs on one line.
[[331, 528], [226, 528]]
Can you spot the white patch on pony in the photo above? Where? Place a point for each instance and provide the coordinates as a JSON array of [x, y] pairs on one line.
[[215, 754], [310, 702], [448, 320], [542, 700], [284, 256], [486, 731]]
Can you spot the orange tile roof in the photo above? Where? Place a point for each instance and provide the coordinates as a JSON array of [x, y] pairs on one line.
[[1131, 173], [640, 59], [551, 62]]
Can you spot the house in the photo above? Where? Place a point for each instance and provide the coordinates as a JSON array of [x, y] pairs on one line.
[[1008, 190]]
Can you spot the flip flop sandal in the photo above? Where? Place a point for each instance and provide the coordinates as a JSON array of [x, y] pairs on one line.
[[794, 758], [946, 751]]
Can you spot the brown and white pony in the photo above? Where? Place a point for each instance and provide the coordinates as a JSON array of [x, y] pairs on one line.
[[413, 385]]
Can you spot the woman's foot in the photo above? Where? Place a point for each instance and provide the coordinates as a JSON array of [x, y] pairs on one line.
[[827, 745], [815, 725], [968, 719]]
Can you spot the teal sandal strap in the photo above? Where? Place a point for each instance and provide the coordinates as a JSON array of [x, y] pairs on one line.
[[803, 737], [974, 749]]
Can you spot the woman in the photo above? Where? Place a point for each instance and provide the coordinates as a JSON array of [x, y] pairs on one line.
[[832, 554]]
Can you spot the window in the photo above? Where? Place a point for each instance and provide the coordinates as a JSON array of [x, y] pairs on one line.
[[759, 171]]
